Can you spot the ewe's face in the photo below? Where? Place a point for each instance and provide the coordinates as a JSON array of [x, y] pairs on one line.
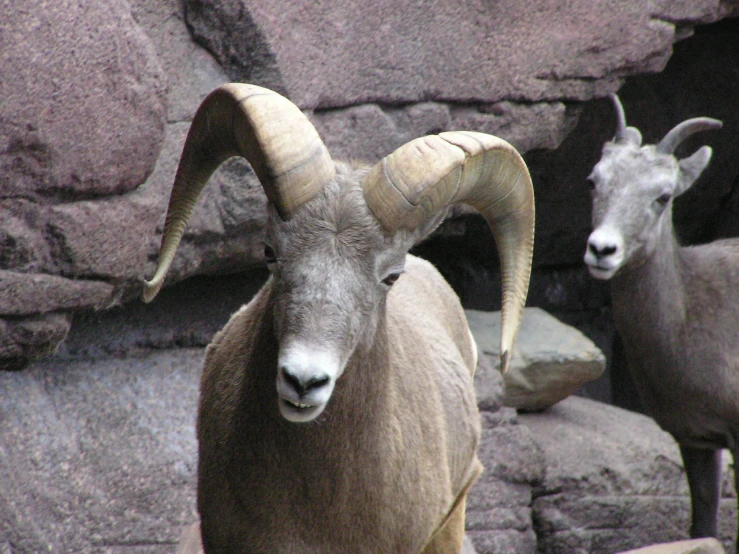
[[633, 189], [332, 268]]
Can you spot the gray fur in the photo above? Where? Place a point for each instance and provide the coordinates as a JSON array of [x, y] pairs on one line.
[[676, 308], [386, 466]]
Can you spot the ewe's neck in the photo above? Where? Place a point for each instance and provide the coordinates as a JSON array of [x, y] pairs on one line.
[[651, 290]]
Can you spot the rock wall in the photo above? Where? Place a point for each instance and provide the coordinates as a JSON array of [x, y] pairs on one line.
[[97, 97]]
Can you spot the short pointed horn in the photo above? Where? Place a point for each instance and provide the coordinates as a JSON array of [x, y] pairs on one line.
[[274, 136], [683, 130], [621, 134], [429, 173]]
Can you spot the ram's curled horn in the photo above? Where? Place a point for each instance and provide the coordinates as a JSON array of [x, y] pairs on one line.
[[683, 130], [274, 136], [429, 173]]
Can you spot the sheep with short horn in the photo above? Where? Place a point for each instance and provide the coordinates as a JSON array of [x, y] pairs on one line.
[[337, 409], [676, 308]]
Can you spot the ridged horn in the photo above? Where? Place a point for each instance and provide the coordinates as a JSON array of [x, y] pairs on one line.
[[621, 134], [683, 130], [274, 136], [429, 173]]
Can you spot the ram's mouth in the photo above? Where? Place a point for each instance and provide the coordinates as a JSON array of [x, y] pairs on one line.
[[297, 405], [299, 412]]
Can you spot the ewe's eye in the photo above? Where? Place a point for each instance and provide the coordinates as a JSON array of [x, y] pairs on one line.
[[663, 200], [269, 254], [390, 279]]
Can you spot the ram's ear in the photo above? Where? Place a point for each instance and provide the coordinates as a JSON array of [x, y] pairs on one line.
[[692, 167]]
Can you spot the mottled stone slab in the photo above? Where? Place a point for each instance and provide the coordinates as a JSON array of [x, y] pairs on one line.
[[550, 361]]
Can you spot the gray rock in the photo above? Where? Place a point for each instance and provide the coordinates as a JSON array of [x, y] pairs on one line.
[[98, 455], [82, 117], [351, 52], [499, 519], [84, 111], [191, 71], [38, 293], [27, 339], [550, 360], [499, 505], [614, 481], [696, 546]]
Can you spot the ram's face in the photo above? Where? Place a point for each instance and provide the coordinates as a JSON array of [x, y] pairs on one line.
[[332, 268]]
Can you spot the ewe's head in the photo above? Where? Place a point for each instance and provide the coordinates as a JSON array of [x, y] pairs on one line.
[[633, 188], [337, 235]]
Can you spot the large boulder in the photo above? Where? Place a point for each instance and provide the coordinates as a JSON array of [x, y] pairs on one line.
[[550, 360], [352, 52], [98, 455], [614, 481], [81, 118], [83, 114], [695, 546]]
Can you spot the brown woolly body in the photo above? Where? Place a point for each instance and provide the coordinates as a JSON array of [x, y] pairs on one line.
[[382, 467]]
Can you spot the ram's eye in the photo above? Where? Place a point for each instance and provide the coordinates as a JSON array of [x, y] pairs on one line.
[[390, 279], [664, 199], [269, 254]]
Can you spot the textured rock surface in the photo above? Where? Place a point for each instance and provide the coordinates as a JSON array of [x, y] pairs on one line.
[[82, 118], [697, 546], [83, 113], [499, 519], [550, 360], [85, 119], [99, 455], [352, 52], [614, 481]]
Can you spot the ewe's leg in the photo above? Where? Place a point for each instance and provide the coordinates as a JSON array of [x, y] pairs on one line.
[[704, 478], [448, 539]]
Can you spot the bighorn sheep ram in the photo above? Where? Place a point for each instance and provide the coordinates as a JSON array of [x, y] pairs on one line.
[[337, 410], [676, 308]]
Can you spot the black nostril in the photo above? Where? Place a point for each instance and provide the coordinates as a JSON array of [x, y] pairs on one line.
[[601, 252], [608, 250], [317, 382], [302, 387], [296, 383]]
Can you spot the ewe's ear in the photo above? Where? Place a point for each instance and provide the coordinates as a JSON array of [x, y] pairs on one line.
[[692, 167], [633, 135]]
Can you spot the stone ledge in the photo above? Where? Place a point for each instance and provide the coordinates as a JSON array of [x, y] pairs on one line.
[[551, 360], [697, 546]]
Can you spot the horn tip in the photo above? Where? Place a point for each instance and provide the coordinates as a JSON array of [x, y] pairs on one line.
[[151, 289], [504, 360]]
